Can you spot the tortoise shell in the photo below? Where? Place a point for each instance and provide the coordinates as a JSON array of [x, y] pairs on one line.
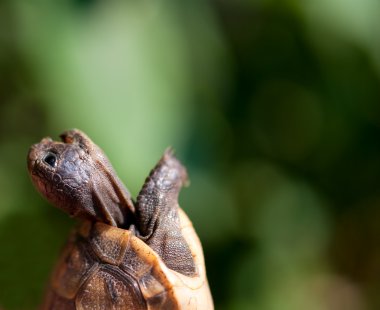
[[124, 255], [105, 267]]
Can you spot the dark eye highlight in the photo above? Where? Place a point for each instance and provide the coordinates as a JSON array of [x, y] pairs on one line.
[[51, 159]]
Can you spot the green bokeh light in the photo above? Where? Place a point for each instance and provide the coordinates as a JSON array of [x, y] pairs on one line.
[[273, 108]]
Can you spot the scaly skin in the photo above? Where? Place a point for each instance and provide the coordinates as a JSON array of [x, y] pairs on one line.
[[77, 177]]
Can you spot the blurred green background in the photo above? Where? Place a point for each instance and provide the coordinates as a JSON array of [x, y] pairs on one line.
[[273, 106]]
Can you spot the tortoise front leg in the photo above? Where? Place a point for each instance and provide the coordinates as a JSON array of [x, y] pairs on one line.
[[157, 214]]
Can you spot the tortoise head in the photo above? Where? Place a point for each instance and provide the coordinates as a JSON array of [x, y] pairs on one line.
[[76, 176]]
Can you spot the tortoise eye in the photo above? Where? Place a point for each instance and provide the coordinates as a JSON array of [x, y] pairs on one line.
[[51, 159]]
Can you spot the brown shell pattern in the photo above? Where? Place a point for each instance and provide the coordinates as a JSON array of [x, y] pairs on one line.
[[105, 267]]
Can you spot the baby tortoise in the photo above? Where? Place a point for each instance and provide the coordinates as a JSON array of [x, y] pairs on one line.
[[125, 254]]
